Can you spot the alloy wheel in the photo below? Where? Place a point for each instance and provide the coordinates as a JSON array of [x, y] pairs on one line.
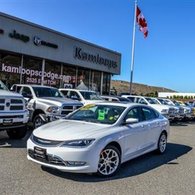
[[38, 122], [162, 143], [109, 161]]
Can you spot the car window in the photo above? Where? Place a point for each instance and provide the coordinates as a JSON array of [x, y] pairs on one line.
[[152, 101], [142, 101], [74, 94], [90, 95], [65, 92], [132, 99], [18, 88], [26, 91], [149, 114], [122, 99], [114, 100], [134, 113], [105, 114], [47, 92]]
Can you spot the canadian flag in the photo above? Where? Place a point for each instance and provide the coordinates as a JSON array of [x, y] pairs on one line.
[[141, 21]]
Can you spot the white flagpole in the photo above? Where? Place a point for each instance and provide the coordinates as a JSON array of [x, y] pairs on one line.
[[133, 49]]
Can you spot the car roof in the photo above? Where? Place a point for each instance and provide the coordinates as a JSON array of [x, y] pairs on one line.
[[29, 85], [120, 104], [9, 93], [67, 89]]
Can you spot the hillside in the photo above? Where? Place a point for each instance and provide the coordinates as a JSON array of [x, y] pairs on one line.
[[138, 89]]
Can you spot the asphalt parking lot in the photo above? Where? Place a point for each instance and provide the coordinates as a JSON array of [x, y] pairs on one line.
[[171, 173]]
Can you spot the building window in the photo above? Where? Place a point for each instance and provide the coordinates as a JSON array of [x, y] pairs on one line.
[[96, 81], [31, 70], [52, 74], [106, 83], [83, 79], [69, 76], [10, 68]]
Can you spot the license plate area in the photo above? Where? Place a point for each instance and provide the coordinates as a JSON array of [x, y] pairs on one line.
[[7, 121], [40, 153]]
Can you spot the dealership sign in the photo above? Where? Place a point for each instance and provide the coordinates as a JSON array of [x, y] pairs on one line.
[[21, 37], [95, 58], [34, 73], [37, 41]]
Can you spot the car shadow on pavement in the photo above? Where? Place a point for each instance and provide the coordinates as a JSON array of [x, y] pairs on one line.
[[133, 167], [182, 123], [6, 142]]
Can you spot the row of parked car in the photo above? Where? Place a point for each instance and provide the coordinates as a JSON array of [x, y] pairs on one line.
[[96, 136], [42, 104], [172, 109]]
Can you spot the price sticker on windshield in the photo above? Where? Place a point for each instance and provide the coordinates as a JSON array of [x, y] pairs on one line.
[[87, 107]]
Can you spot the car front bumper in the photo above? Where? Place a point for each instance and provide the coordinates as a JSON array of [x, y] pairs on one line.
[[78, 160], [9, 120]]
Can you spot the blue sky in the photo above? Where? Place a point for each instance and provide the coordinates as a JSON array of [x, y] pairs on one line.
[[165, 58]]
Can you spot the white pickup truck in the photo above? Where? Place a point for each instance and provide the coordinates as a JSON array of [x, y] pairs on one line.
[[13, 113], [163, 109]]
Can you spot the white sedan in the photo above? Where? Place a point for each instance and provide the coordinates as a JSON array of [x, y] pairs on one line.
[[97, 138]]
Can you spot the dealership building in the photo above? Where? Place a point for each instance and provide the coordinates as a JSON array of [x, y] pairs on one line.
[[33, 54]]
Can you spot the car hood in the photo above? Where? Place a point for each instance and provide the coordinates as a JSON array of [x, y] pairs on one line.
[[4, 93], [62, 130], [59, 101], [159, 107]]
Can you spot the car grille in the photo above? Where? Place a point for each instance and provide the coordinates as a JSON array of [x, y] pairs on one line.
[[49, 159], [181, 110], [172, 111], [45, 142], [68, 109], [9, 104]]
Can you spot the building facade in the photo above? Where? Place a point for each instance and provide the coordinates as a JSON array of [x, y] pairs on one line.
[[32, 54]]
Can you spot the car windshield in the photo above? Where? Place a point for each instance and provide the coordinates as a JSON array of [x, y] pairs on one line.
[[90, 95], [163, 102], [180, 103], [2, 86], [121, 99], [170, 103], [105, 114], [47, 92], [152, 101]]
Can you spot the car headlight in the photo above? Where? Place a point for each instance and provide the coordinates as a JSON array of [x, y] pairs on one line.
[[78, 143], [53, 109]]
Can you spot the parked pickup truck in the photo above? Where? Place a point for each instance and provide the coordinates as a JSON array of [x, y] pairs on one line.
[[163, 109], [84, 96], [45, 103], [13, 114]]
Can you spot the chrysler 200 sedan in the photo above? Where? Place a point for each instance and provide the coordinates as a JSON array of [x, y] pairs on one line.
[[97, 138]]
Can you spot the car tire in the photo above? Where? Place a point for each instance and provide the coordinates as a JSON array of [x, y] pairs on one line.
[[17, 133], [37, 121], [109, 161], [162, 143]]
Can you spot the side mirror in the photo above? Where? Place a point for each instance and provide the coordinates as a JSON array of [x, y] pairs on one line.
[[131, 121]]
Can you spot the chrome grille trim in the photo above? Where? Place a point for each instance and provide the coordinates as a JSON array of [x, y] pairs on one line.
[[45, 142], [10, 104]]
